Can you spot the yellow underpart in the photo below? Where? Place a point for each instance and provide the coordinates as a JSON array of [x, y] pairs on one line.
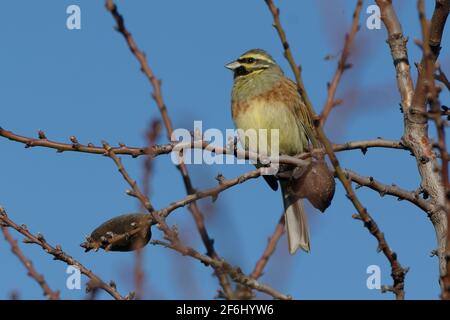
[[262, 114]]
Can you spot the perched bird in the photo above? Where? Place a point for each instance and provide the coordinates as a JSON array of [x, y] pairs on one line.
[[264, 98]]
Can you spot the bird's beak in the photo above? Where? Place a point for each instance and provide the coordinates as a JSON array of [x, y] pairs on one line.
[[233, 65]]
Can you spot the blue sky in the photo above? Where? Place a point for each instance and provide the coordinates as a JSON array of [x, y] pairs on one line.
[[86, 83]]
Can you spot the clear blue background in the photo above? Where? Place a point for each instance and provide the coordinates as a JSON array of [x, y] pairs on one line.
[[86, 83]]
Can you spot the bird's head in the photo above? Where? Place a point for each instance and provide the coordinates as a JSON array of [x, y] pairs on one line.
[[251, 62]]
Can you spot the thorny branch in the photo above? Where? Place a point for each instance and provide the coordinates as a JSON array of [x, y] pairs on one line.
[[59, 254], [49, 293], [398, 272]]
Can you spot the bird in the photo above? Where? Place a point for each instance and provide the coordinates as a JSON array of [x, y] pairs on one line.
[[263, 97]]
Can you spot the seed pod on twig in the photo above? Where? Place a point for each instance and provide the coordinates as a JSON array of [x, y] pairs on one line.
[[126, 232], [315, 183]]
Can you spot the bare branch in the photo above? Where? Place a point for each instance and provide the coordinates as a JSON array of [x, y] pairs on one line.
[[432, 35], [288, 55], [162, 149], [366, 144], [393, 190], [145, 68], [440, 15], [397, 43], [59, 254], [341, 67], [235, 273], [440, 76], [139, 273], [213, 192], [427, 92], [60, 147], [270, 249], [49, 293], [152, 135], [136, 191]]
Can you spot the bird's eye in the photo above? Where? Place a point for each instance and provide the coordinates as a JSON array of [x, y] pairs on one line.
[[250, 60]]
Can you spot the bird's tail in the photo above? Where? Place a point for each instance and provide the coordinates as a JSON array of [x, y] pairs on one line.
[[296, 222]]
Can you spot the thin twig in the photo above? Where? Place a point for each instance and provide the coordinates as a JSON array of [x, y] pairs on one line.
[[145, 68], [270, 249], [139, 273], [341, 67], [145, 201], [235, 273], [163, 149], [59, 254], [152, 135], [392, 190], [441, 77], [288, 55], [49, 293], [60, 147], [212, 192], [366, 144]]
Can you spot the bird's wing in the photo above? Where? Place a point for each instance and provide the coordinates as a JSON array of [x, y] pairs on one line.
[[301, 112]]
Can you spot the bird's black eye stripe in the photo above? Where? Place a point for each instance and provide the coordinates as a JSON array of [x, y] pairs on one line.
[[246, 60]]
